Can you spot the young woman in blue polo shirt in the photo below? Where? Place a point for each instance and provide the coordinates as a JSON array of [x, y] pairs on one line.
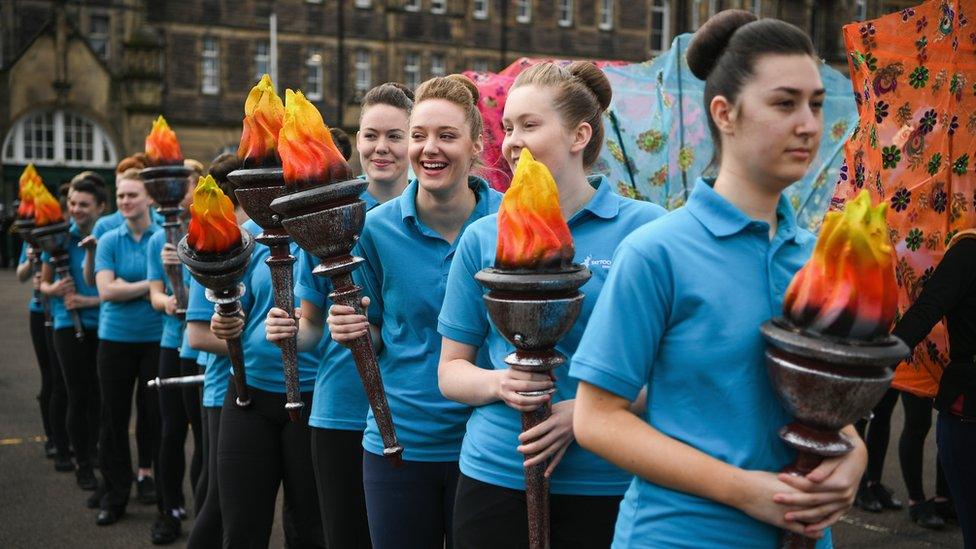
[[86, 200], [681, 310], [409, 244], [129, 331], [338, 415], [556, 113]]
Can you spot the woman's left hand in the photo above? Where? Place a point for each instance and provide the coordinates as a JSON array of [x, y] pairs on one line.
[[227, 327], [168, 255], [827, 492], [549, 439]]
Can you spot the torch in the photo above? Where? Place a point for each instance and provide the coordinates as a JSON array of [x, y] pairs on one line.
[[256, 186], [30, 186], [182, 381], [533, 300], [51, 235], [217, 253], [166, 182], [830, 357], [323, 213]]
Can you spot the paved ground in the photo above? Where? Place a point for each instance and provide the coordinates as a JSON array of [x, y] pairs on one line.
[[42, 508]]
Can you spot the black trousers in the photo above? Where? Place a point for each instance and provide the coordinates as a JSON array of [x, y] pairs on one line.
[[258, 450], [120, 367], [876, 434], [911, 447], [79, 365], [172, 455], [191, 405], [337, 457], [489, 516], [53, 398], [208, 529], [956, 438]]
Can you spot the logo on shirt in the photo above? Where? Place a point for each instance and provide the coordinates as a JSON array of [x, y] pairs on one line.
[[589, 262]]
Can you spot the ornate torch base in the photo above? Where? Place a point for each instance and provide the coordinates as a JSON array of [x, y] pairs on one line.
[[55, 239], [167, 185], [24, 229]]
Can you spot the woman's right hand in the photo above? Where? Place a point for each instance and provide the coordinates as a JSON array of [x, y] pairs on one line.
[[757, 501], [346, 325], [63, 286], [510, 382], [88, 243], [278, 326]]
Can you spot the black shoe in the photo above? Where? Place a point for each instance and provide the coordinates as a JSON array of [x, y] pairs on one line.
[[867, 500], [946, 510], [49, 450], [924, 515], [146, 491], [182, 513], [85, 477], [885, 497], [108, 516], [166, 530], [94, 501], [63, 464]]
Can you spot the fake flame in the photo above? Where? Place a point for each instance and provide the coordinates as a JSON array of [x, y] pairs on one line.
[[47, 209], [30, 182], [213, 227], [847, 288], [532, 233], [162, 148], [263, 116], [305, 145]]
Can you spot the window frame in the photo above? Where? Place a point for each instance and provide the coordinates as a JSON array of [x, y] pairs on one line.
[[566, 8], [103, 151], [604, 15], [104, 39], [481, 13], [210, 83], [523, 11], [313, 62], [363, 71], [443, 65], [665, 32], [438, 7], [412, 71]]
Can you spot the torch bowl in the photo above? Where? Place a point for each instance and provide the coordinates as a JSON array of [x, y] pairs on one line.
[[53, 238], [167, 185], [219, 270], [256, 188], [25, 228], [325, 220]]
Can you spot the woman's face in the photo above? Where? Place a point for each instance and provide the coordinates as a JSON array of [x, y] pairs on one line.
[[382, 143], [131, 198], [441, 149], [531, 121], [778, 120], [83, 208]]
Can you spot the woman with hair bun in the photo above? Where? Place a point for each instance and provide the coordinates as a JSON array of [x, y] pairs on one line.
[[409, 244], [696, 285], [556, 114]]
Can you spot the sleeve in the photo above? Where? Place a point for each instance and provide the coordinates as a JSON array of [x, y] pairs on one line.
[[105, 253], [950, 281], [368, 275], [463, 316], [100, 227], [23, 253], [309, 287], [198, 307], [624, 332], [154, 263]]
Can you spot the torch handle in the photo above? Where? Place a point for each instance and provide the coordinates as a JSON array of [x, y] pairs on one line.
[[34, 255], [804, 464], [537, 486], [282, 280], [235, 352], [347, 293], [174, 273]]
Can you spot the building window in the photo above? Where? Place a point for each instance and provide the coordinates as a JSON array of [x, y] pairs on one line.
[[262, 60], [411, 70], [438, 6], [210, 67], [481, 9], [606, 15], [313, 75], [98, 32], [364, 76], [437, 67], [523, 11], [480, 65], [565, 13], [364, 4], [58, 138], [757, 7], [660, 25], [860, 10], [411, 5]]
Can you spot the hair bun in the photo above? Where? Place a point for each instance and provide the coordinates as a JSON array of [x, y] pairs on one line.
[[402, 87], [594, 79], [467, 84], [710, 41]]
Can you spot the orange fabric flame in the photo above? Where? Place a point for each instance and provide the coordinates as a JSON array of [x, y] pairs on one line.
[[162, 148], [305, 145], [30, 182], [532, 233], [213, 227], [847, 288], [47, 209], [263, 116]]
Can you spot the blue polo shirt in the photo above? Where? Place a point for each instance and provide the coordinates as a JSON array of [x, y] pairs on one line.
[[186, 351], [110, 221], [405, 275], [172, 326], [134, 320], [216, 371], [680, 313], [340, 401], [489, 452], [33, 305], [61, 315]]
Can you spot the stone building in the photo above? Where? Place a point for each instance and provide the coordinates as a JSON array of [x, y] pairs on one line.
[[81, 80]]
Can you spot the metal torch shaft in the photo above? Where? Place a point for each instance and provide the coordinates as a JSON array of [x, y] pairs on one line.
[[282, 280], [348, 293], [537, 486], [162, 382], [63, 270], [34, 255], [174, 273], [235, 352], [804, 464]]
